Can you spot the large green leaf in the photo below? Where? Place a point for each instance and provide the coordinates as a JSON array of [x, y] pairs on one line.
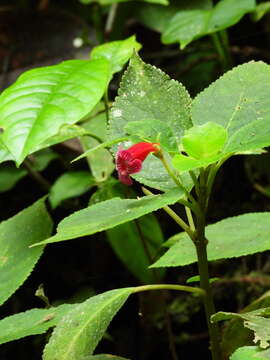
[[247, 353], [70, 184], [188, 25], [79, 332], [240, 102], [16, 234], [258, 321], [116, 52], [147, 94], [31, 322], [42, 100], [107, 214], [232, 237]]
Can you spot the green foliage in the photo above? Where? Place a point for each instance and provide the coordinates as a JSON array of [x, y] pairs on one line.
[[28, 227], [258, 321], [145, 94], [110, 213], [42, 100], [31, 322], [260, 10], [188, 25], [116, 52], [228, 238], [247, 353], [70, 184], [242, 94], [79, 332]]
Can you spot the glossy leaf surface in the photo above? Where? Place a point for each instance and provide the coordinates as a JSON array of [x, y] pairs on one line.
[[17, 260], [79, 332], [232, 237], [42, 100]]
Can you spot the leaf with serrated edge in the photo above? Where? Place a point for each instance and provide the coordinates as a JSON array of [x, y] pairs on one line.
[[228, 238], [16, 235], [243, 94], [79, 332], [146, 93], [107, 214], [31, 322], [42, 100]]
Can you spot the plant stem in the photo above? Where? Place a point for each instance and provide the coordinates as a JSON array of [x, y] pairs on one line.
[[201, 249], [222, 52], [45, 185], [106, 104], [190, 289], [110, 21]]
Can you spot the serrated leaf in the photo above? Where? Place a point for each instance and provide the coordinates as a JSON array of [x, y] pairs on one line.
[[31, 322], [146, 93], [30, 226], [70, 184], [116, 52], [107, 214], [188, 25], [79, 332], [42, 100], [243, 94], [228, 238], [258, 321], [247, 353]]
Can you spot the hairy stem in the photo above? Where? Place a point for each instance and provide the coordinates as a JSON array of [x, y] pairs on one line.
[[189, 289]]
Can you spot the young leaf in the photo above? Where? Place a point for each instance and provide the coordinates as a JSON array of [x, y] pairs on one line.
[[247, 353], [31, 322], [28, 227], [188, 25], [240, 102], [70, 184], [146, 93], [42, 100], [116, 52], [228, 238], [79, 332], [107, 214]]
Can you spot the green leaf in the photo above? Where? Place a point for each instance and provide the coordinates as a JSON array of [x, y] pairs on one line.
[[70, 184], [258, 321], [228, 238], [247, 353], [204, 141], [42, 100], [107, 214], [261, 10], [188, 25], [31, 322], [184, 163], [28, 227], [101, 161], [146, 93], [243, 94], [79, 332], [116, 52], [129, 241]]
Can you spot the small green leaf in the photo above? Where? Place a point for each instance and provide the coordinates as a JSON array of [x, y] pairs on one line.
[[31, 322], [204, 141], [247, 353], [196, 278], [107, 214], [146, 93], [188, 25], [70, 184], [116, 52], [28, 227], [261, 10], [243, 95], [228, 238], [79, 332], [10, 175], [42, 100]]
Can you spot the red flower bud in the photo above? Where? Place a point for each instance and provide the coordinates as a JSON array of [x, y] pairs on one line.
[[130, 161]]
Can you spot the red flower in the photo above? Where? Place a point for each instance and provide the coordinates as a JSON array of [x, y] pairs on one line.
[[130, 161]]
